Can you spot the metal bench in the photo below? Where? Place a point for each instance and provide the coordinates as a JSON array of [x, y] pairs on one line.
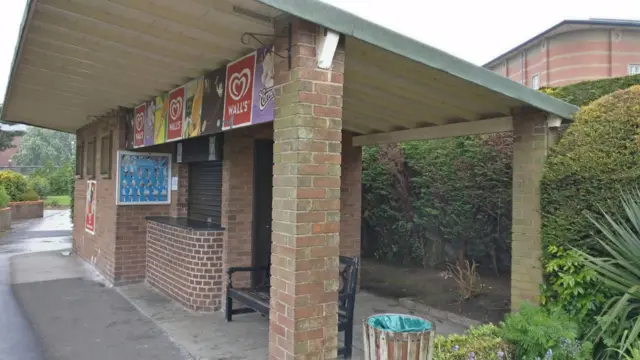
[[257, 298]]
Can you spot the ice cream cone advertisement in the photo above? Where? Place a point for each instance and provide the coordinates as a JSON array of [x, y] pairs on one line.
[[90, 209]]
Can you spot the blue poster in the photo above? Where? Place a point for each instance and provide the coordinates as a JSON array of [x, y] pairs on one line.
[[143, 178]]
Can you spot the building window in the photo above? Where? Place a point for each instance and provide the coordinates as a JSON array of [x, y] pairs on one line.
[[634, 69], [105, 155], [91, 159], [79, 160], [205, 191], [535, 82]]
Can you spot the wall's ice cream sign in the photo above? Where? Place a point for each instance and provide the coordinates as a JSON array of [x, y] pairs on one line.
[[138, 125], [239, 94], [175, 114]]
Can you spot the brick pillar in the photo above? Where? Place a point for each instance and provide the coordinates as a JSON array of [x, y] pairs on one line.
[[237, 202], [530, 144], [179, 199], [350, 197], [306, 202]]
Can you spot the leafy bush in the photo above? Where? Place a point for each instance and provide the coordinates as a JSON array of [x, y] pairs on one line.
[[39, 184], [60, 178], [619, 272], [584, 93], [447, 200], [596, 158], [483, 342], [30, 195], [536, 332], [14, 183], [4, 198]]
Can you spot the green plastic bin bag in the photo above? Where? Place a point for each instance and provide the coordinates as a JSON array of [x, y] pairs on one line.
[[399, 323]]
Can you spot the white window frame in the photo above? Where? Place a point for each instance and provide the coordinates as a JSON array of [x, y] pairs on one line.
[[634, 69], [535, 81]]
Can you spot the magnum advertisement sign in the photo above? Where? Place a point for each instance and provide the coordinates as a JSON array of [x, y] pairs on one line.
[[239, 94]]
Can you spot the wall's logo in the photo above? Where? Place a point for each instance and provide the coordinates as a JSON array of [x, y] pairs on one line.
[[175, 113], [138, 125], [139, 121], [237, 103], [175, 108], [239, 84]]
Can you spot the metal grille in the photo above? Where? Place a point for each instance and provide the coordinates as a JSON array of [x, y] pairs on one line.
[[205, 191]]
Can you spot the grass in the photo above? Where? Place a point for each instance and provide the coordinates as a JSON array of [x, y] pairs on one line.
[[58, 201]]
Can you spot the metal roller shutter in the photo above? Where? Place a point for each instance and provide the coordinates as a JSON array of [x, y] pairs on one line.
[[205, 191]]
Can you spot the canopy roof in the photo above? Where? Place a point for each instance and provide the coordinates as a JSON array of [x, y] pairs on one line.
[[77, 59]]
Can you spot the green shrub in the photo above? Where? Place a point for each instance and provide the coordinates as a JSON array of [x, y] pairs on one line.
[[40, 185], [4, 198], [483, 341], [14, 183], [584, 93], [30, 195], [537, 332], [584, 174], [619, 272]]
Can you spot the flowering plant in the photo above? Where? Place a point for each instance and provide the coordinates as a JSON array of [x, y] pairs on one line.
[[478, 343]]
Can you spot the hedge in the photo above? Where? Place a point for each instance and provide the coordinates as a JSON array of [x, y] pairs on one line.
[[584, 93], [586, 171]]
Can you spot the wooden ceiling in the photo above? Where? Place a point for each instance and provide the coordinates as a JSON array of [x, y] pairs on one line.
[[81, 58]]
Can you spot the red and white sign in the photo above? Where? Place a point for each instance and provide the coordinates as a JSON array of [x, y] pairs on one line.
[[175, 114], [138, 125], [90, 208], [239, 92]]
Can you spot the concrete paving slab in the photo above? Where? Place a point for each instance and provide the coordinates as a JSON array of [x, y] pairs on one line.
[[209, 336], [79, 319], [46, 266]]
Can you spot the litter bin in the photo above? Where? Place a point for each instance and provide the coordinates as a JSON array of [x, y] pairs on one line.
[[398, 337]]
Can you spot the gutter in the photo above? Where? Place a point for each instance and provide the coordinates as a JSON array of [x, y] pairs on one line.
[[26, 18]]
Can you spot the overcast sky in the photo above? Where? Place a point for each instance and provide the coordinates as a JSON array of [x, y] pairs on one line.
[[475, 30]]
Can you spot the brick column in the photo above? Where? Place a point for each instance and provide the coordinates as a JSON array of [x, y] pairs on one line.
[[237, 202], [306, 202], [350, 197], [530, 144]]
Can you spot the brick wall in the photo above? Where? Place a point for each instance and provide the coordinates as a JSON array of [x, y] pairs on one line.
[[99, 248], [237, 202], [179, 198], [186, 265], [131, 241], [27, 209], [118, 248]]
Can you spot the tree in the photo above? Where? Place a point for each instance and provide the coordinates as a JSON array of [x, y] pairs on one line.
[[6, 137], [41, 146]]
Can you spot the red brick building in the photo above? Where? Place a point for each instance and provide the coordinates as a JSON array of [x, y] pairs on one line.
[[573, 51], [256, 160]]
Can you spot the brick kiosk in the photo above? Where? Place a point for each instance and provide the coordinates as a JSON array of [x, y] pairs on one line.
[[290, 118]]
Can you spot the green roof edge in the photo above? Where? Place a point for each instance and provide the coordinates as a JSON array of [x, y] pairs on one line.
[[347, 23]]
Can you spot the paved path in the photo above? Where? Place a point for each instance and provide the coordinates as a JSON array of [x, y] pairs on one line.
[[18, 341], [65, 312]]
